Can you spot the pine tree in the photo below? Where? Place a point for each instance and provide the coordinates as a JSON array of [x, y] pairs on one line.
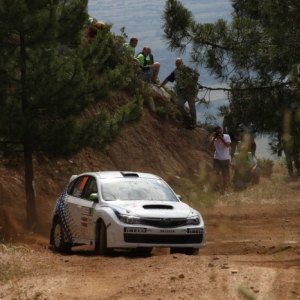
[[50, 74], [255, 54]]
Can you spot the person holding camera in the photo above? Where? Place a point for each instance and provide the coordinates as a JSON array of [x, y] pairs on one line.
[[221, 144]]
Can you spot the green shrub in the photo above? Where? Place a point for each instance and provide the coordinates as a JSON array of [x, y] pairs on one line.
[[165, 109], [266, 165]]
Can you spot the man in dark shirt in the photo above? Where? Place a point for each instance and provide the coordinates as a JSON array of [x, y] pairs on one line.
[[186, 89]]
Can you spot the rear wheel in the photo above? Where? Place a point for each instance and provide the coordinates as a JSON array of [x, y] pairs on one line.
[[186, 251], [59, 238]]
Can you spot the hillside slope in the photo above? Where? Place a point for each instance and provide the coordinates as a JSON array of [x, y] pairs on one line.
[[252, 248], [155, 145]]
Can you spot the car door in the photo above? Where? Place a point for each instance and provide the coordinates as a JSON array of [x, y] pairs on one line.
[[81, 208], [88, 208]]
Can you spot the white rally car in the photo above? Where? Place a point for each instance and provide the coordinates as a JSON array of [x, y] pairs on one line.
[[124, 210]]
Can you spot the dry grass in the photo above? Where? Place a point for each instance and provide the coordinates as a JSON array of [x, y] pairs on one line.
[[19, 262], [277, 188]]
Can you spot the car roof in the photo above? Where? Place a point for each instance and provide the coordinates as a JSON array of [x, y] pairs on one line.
[[117, 174]]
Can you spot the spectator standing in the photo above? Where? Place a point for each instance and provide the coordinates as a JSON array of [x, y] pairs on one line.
[[245, 167], [150, 69], [221, 142], [186, 89]]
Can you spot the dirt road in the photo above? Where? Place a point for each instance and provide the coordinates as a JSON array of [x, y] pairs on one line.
[[251, 247]]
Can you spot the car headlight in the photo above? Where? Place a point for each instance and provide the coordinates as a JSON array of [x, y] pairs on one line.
[[193, 221], [128, 219]]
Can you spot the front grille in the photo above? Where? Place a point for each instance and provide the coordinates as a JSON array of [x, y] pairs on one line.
[[163, 239], [164, 222]]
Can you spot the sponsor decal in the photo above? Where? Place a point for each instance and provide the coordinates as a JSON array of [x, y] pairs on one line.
[[135, 230], [195, 230], [167, 231], [86, 211]]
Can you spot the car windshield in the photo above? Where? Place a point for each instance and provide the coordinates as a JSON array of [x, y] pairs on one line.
[[136, 189]]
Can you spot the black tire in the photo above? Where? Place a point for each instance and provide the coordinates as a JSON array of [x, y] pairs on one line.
[[59, 238], [186, 251], [101, 244]]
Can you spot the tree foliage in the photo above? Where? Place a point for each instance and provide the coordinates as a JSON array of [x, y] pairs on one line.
[[50, 75], [255, 54]]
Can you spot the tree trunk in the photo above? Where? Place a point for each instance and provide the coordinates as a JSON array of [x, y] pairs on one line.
[[288, 152], [28, 165], [29, 186]]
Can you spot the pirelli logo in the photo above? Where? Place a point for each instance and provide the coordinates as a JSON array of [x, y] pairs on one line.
[[195, 230], [135, 230]]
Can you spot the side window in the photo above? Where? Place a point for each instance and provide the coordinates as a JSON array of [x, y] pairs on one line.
[[79, 186], [91, 188], [70, 187]]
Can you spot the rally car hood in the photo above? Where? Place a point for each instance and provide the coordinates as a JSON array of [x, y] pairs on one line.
[[156, 209]]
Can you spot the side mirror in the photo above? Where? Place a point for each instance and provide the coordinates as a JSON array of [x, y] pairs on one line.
[[94, 197], [180, 198]]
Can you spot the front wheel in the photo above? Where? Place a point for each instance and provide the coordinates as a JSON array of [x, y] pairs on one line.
[[101, 245], [59, 238]]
